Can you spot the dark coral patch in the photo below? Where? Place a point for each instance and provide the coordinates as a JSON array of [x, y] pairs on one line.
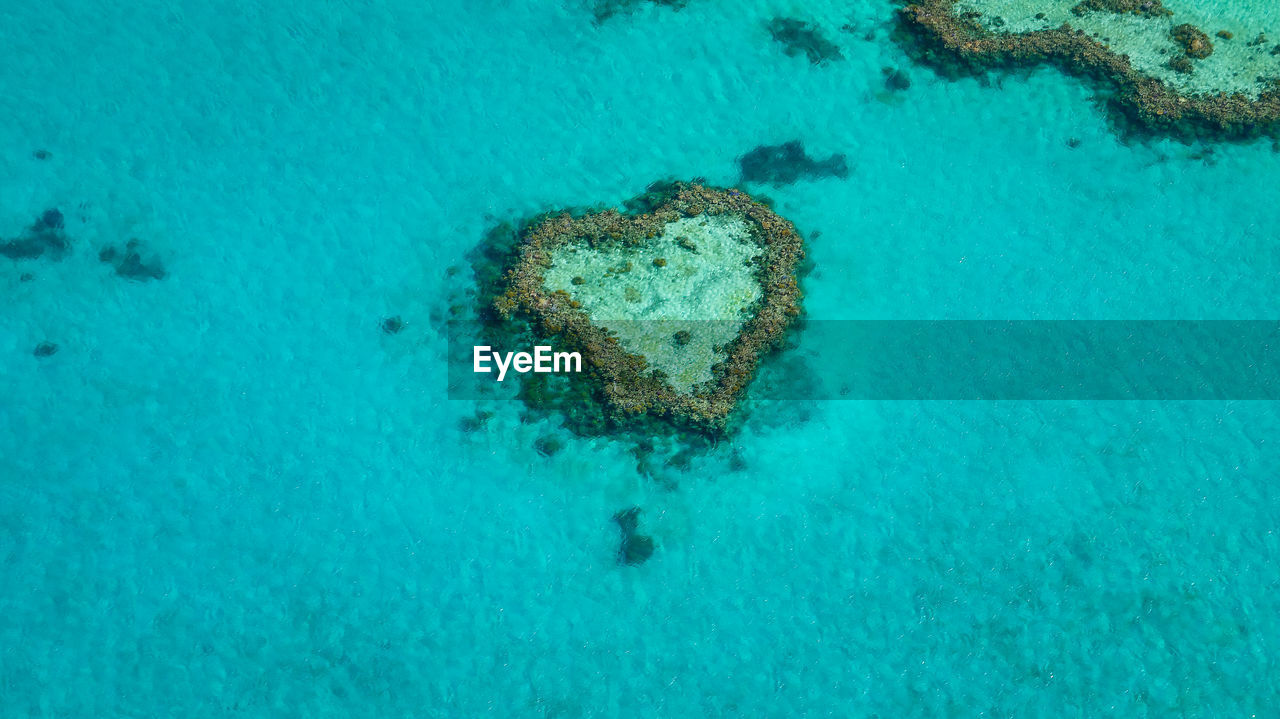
[[392, 325], [548, 445], [605, 9], [45, 236], [635, 548], [130, 264], [50, 220], [895, 80], [476, 422], [798, 37], [1145, 8], [1193, 41], [132, 267], [1180, 63], [787, 163]]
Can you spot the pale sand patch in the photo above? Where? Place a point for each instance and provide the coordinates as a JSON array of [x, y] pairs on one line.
[[1234, 66], [706, 292]]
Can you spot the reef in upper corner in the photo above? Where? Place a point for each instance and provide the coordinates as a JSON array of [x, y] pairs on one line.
[[1170, 75], [672, 305]]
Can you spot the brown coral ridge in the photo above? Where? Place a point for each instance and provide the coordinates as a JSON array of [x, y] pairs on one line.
[[624, 381], [957, 44], [1145, 8]]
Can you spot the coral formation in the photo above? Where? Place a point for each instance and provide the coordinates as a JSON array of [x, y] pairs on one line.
[[1193, 41], [798, 37], [1147, 8], [548, 445], [678, 341], [392, 325], [635, 548], [129, 263], [605, 9], [786, 163], [46, 235], [959, 43], [895, 80], [1181, 63]]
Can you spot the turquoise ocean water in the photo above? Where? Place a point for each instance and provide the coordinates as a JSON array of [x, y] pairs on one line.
[[229, 494]]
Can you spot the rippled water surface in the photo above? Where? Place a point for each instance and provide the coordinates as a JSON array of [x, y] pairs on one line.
[[226, 491]]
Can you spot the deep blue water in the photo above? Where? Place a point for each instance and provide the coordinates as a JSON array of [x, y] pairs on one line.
[[228, 493]]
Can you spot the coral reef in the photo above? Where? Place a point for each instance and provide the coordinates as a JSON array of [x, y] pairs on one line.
[[634, 548], [798, 37], [956, 43], [548, 445], [787, 163], [392, 325], [475, 422], [129, 263], [735, 297], [1146, 8], [895, 80], [604, 9], [1193, 41], [46, 235], [1181, 63]]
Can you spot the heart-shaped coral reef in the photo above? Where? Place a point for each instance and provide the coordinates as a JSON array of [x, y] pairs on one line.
[[673, 307]]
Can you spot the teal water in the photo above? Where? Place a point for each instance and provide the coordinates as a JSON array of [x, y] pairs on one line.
[[229, 493]]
